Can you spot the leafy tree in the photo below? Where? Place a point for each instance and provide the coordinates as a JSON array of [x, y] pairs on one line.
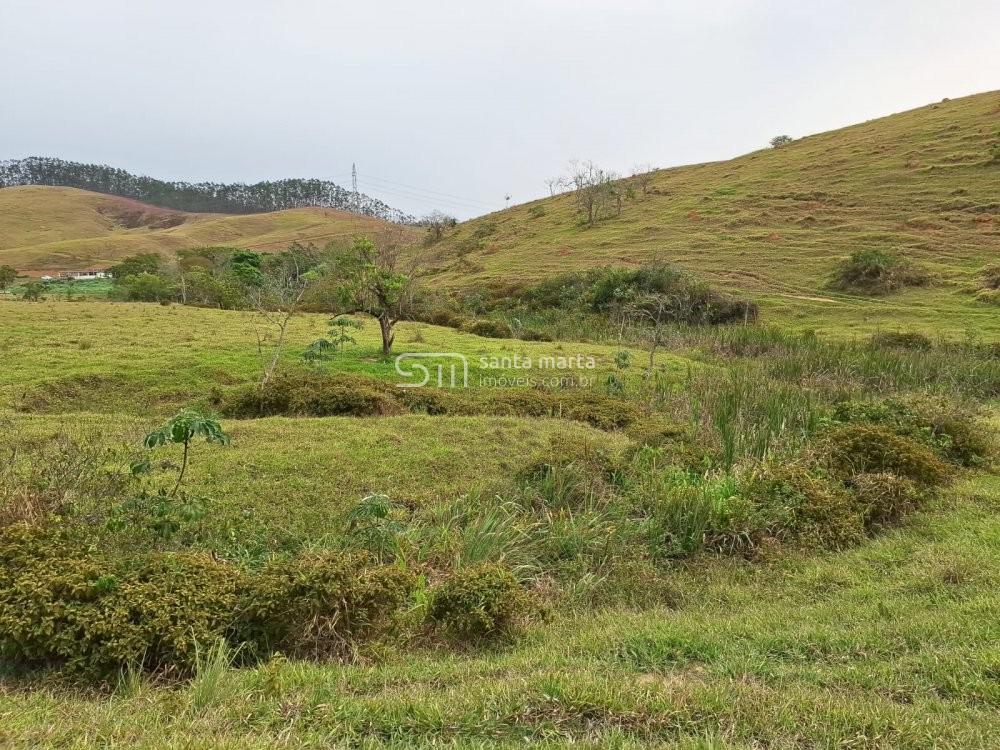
[[34, 290], [781, 140], [137, 264], [366, 280], [145, 287], [7, 276]]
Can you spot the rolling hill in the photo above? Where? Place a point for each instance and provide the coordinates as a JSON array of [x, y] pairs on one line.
[[57, 228], [774, 223]]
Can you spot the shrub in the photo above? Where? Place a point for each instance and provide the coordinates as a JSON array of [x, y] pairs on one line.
[[481, 601], [602, 291], [877, 272], [60, 605], [320, 603], [434, 401], [531, 334], [949, 429], [870, 448], [603, 412], [312, 394], [901, 340], [989, 277], [537, 211], [809, 508], [656, 432], [444, 317], [492, 329], [884, 498]]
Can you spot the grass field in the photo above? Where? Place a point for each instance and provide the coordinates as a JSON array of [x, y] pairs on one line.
[[888, 646]]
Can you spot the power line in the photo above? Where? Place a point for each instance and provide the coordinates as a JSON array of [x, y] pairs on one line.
[[425, 190], [428, 200]]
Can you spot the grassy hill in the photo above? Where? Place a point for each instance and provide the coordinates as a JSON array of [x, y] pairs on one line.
[[55, 228], [775, 222]]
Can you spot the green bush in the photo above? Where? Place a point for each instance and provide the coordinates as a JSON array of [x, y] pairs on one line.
[[530, 334], [884, 498], [481, 601], [60, 605], [901, 340], [537, 211], [492, 329], [989, 276], [949, 429], [312, 394], [603, 412], [444, 317], [656, 432], [64, 605], [870, 448], [807, 507], [434, 401], [877, 272], [320, 603]]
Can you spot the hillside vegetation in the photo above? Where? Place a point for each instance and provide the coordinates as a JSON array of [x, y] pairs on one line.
[[775, 223], [236, 198], [55, 228]]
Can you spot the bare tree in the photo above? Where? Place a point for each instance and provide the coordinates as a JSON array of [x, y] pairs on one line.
[[273, 301], [555, 185], [594, 188], [437, 222], [642, 175]]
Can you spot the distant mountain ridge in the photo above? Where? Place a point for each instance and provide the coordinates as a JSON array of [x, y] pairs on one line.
[[199, 197]]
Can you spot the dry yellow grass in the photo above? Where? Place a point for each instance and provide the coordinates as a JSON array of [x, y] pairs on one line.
[[55, 228]]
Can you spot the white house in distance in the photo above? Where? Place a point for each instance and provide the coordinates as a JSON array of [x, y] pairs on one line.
[[91, 275]]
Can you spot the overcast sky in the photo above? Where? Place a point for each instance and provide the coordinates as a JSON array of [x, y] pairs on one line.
[[453, 104]]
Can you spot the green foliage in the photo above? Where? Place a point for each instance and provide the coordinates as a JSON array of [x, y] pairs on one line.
[[184, 427], [493, 329], [34, 290], [989, 277], [536, 211], [312, 394], [7, 276], [532, 334], [948, 428], [869, 448], [375, 525], [807, 507], [884, 498], [609, 291], [781, 140], [877, 271], [320, 604], [63, 604], [324, 349], [136, 265], [480, 601], [60, 604], [603, 412], [901, 340]]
